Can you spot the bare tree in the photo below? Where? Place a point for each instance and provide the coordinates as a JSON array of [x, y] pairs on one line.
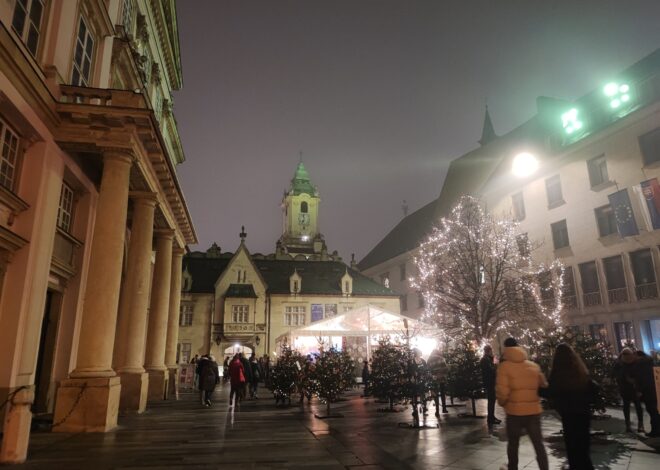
[[477, 277]]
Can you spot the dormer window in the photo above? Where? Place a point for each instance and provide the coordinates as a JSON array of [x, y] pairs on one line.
[[303, 207], [295, 283], [346, 284]]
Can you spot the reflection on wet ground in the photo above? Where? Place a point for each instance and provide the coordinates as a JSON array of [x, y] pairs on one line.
[[258, 435]]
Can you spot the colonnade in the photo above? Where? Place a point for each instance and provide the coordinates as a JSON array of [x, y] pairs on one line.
[[127, 347]]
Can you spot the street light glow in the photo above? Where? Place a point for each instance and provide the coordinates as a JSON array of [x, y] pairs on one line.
[[524, 164]]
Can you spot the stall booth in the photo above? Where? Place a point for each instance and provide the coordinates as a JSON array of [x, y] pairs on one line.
[[358, 332]]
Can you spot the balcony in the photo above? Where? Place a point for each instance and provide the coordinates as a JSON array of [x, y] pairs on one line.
[[239, 328], [101, 97], [646, 291], [617, 296], [64, 251], [592, 299]]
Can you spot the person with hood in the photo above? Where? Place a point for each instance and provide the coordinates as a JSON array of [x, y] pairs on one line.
[[572, 392], [624, 374], [516, 387], [488, 376], [438, 368], [236, 380], [207, 371], [645, 386]]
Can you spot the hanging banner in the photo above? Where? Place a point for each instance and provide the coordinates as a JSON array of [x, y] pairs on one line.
[[625, 219], [651, 193]]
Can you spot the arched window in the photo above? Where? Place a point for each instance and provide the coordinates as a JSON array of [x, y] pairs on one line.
[[303, 207]]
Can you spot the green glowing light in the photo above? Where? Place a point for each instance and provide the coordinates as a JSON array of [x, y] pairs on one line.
[[618, 93], [570, 121]]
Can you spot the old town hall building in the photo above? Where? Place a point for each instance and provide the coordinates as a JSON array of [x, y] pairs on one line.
[[239, 301]]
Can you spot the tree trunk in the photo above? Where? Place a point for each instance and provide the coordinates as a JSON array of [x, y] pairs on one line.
[[328, 408]]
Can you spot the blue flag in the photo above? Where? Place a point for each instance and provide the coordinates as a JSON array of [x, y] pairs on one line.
[[623, 213]]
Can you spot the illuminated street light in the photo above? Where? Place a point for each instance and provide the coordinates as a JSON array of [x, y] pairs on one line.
[[524, 164]]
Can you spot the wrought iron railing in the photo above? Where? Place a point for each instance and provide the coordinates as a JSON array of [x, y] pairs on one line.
[[617, 296], [591, 299], [646, 291]]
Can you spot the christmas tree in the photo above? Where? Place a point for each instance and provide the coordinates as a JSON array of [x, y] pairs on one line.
[[329, 375], [464, 374], [417, 382], [285, 375], [387, 372]]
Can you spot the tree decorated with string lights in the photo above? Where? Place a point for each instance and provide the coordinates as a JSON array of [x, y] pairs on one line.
[[285, 374], [464, 373], [330, 376], [478, 278]]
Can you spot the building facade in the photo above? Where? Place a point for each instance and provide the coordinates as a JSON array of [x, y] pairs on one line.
[[93, 224], [233, 301], [587, 196]]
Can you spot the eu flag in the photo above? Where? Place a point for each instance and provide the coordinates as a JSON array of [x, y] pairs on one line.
[[623, 213]]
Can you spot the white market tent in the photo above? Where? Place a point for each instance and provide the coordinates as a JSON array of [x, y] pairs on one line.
[[370, 322]]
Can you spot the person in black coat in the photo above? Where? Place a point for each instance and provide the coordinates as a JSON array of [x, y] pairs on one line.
[[366, 374], [645, 385], [572, 391], [207, 370], [255, 372], [488, 376], [248, 374], [624, 374]]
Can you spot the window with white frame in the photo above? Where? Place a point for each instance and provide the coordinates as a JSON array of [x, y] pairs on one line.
[[8, 155], [186, 314], [26, 22], [597, 168], [294, 315], [65, 208], [553, 191], [127, 16], [184, 351], [240, 313], [82, 56]]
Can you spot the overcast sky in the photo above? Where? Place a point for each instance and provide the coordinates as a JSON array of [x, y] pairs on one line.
[[378, 95]]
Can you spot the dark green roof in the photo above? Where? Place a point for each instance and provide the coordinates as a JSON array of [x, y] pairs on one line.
[[301, 184], [318, 277], [241, 291]]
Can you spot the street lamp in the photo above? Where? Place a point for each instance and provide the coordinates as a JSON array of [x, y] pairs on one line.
[[524, 164]]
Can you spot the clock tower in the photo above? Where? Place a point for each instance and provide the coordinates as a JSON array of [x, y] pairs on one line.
[[300, 210]]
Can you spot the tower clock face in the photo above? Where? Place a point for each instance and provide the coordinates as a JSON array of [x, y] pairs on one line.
[[303, 219]]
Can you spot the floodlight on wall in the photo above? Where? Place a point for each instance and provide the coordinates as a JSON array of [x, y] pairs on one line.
[[571, 122], [617, 93], [524, 164]]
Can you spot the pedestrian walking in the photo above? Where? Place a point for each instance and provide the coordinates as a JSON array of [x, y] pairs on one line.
[[207, 371], [438, 368], [572, 392], [488, 378], [624, 374], [366, 373], [516, 387], [236, 380], [225, 369], [193, 361], [645, 386], [247, 371], [256, 376]]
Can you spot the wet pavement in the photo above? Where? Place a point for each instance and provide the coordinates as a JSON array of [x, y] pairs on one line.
[[259, 435]]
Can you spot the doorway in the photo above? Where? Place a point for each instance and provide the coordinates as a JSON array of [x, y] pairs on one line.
[[44, 385]]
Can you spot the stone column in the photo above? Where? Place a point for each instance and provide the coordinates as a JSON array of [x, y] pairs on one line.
[[158, 313], [89, 400], [17, 426], [133, 307], [173, 323]]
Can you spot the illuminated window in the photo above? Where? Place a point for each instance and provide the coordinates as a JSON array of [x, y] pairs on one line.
[[518, 206], [82, 57], [385, 279], [186, 315], [27, 22], [240, 313], [8, 156], [553, 191], [597, 167], [183, 353], [65, 209], [294, 315]]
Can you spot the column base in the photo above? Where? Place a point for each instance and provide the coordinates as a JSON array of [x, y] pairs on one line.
[[87, 405], [173, 387], [16, 431], [158, 380], [134, 391]]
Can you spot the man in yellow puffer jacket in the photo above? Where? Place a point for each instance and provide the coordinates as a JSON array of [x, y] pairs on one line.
[[516, 387]]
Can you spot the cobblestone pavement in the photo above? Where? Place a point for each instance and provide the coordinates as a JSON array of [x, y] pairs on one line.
[[258, 435]]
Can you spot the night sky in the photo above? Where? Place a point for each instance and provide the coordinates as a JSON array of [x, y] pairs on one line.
[[378, 95]]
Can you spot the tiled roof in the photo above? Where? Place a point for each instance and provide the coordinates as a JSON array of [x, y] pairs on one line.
[[406, 236], [318, 277]]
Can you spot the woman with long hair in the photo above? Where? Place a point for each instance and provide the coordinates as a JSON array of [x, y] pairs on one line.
[[571, 391]]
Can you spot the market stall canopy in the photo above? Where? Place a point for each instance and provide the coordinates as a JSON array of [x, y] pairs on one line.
[[365, 321]]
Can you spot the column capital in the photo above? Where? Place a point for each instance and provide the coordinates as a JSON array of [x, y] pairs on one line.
[[164, 233], [118, 153], [178, 251], [144, 197]]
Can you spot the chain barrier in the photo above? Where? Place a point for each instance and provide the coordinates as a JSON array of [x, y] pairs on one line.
[[11, 396], [73, 407]]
